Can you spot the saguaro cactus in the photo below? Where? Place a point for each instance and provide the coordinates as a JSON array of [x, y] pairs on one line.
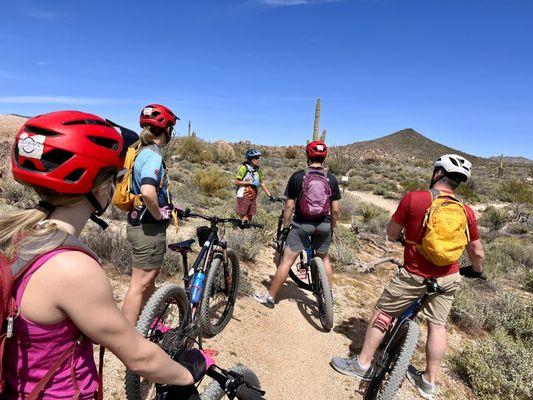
[[323, 136], [500, 169], [189, 133], [317, 119]]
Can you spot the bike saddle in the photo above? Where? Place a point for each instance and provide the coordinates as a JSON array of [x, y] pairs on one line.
[[433, 286], [182, 247]]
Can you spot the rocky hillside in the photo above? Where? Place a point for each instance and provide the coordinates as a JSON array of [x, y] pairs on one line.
[[406, 143]]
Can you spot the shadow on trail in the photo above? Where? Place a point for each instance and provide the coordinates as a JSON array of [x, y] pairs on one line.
[[307, 306], [354, 329]]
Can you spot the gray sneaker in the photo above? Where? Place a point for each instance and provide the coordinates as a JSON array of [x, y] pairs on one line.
[[264, 298], [427, 390], [350, 366]]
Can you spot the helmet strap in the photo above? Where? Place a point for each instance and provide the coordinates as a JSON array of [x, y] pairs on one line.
[[99, 210], [45, 207]]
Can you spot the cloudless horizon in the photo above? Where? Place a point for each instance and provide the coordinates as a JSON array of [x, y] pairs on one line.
[[458, 72]]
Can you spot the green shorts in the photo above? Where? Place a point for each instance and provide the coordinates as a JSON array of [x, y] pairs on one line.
[[149, 243], [405, 288]]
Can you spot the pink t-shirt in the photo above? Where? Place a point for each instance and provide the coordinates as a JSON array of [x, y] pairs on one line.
[[34, 348]]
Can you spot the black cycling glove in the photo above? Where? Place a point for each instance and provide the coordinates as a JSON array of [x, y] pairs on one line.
[[194, 361], [284, 233], [468, 272]]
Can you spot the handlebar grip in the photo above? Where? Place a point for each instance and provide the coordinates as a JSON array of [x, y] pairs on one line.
[[254, 225], [246, 393]]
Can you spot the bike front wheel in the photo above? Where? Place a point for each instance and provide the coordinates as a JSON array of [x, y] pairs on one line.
[[394, 363], [161, 321], [323, 293], [221, 287]]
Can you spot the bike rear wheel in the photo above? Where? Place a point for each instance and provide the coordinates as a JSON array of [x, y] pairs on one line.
[[213, 391], [166, 312], [323, 293], [221, 287], [394, 363]]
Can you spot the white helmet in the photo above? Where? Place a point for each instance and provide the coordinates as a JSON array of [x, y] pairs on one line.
[[454, 163]]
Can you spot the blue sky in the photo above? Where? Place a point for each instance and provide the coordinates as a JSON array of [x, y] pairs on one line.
[[458, 71]]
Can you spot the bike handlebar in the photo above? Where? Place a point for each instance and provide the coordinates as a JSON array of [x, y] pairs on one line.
[[234, 385], [217, 220]]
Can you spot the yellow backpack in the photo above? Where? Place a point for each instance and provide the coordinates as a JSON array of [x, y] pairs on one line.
[[446, 230], [123, 198]]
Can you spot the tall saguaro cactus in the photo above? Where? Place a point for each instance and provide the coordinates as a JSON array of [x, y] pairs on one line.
[[500, 169], [317, 119], [189, 133], [323, 136]]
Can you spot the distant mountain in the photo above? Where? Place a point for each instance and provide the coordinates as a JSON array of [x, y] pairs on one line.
[[405, 144], [512, 160]]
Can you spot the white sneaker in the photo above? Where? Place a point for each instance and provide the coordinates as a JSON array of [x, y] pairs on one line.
[[264, 298]]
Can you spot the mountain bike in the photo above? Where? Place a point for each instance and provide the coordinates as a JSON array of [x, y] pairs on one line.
[[399, 345], [308, 273], [216, 268], [199, 308]]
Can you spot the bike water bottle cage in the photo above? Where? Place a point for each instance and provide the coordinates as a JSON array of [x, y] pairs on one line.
[[382, 321]]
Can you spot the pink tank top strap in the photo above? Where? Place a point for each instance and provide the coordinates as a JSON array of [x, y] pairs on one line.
[[22, 282]]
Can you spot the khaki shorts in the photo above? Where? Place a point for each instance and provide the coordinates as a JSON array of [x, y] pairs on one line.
[[149, 242], [405, 288]]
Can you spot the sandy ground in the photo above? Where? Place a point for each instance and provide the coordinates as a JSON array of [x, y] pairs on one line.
[[286, 346]]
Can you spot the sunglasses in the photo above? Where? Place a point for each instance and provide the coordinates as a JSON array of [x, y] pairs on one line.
[[256, 158]]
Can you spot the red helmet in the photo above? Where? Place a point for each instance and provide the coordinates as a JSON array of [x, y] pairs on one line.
[[316, 148], [64, 151], [158, 116]]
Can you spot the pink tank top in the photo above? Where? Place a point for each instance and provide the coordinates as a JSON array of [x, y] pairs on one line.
[[34, 348]]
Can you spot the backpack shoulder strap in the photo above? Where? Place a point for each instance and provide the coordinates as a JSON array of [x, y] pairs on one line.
[[434, 194]]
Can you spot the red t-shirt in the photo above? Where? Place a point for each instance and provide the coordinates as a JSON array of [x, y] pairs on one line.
[[410, 214]]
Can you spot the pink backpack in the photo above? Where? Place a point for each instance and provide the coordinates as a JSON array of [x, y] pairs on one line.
[[11, 271], [314, 199]]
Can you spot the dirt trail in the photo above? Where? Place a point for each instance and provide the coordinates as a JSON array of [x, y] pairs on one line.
[[286, 347]]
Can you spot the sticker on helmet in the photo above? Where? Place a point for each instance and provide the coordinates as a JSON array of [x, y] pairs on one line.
[[31, 146], [148, 110], [320, 147]]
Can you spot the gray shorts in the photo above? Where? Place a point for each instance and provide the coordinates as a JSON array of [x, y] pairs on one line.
[[320, 233]]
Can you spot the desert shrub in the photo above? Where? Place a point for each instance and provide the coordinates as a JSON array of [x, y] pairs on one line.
[[516, 192], [291, 152], [247, 243], [19, 195], [223, 152], [111, 246], [347, 208], [497, 367], [518, 228], [343, 251], [493, 219], [194, 149], [211, 181], [343, 255], [506, 256], [528, 281], [374, 218], [412, 184], [340, 161], [474, 310], [468, 191]]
